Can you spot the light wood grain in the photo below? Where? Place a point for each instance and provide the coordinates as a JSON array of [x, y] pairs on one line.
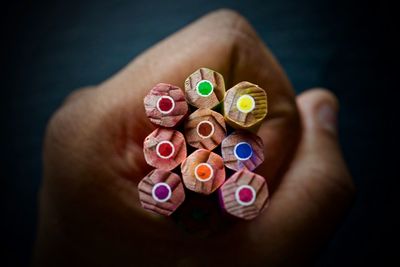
[[146, 185], [198, 101], [174, 117], [241, 120], [229, 143], [198, 117], [188, 171], [157, 136], [229, 201]]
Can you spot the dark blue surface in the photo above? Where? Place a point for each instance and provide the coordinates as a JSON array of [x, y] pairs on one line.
[[243, 150], [52, 48]]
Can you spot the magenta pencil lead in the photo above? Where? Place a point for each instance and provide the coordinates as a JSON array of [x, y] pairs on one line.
[[244, 194]]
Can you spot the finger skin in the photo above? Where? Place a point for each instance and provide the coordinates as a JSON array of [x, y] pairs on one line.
[[230, 46], [90, 212], [315, 192]]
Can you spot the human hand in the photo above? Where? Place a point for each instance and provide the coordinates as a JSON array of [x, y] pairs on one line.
[[90, 213]]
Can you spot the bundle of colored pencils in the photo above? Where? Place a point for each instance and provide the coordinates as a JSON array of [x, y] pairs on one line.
[[219, 140]]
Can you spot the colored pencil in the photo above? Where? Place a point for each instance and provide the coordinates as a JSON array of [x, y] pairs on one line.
[[244, 194], [203, 171], [205, 128], [164, 149], [245, 106], [204, 88], [161, 192], [242, 150], [165, 105]]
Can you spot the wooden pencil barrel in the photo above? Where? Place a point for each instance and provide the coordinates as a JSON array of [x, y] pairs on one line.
[[165, 105], [205, 128], [245, 106], [242, 149], [161, 192], [244, 194], [164, 149], [203, 171], [204, 88]]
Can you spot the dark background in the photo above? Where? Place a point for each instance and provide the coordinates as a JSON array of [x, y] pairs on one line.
[[48, 49]]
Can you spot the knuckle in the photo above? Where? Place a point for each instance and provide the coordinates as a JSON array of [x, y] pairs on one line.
[[55, 128], [322, 92], [231, 23], [236, 37], [78, 94], [228, 13], [311, 97], [62, 125]]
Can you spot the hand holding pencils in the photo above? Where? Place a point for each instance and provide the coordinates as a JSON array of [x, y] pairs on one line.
[[90, 211]]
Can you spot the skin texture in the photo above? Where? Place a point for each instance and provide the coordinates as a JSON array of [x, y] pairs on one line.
[[90, 214]]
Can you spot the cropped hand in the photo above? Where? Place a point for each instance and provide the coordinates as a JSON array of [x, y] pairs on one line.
[[90, 214]]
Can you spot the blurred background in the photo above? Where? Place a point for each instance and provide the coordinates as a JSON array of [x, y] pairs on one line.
[[51, 48]]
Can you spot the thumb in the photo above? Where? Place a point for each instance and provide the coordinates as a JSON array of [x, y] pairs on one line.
[[318, 174], [317, 187], [319, 167], [317, 180]]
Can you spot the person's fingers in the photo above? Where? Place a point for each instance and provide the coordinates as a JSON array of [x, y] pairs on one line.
[[100, 133], [317, 187], [318, 168], [223, 41]]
